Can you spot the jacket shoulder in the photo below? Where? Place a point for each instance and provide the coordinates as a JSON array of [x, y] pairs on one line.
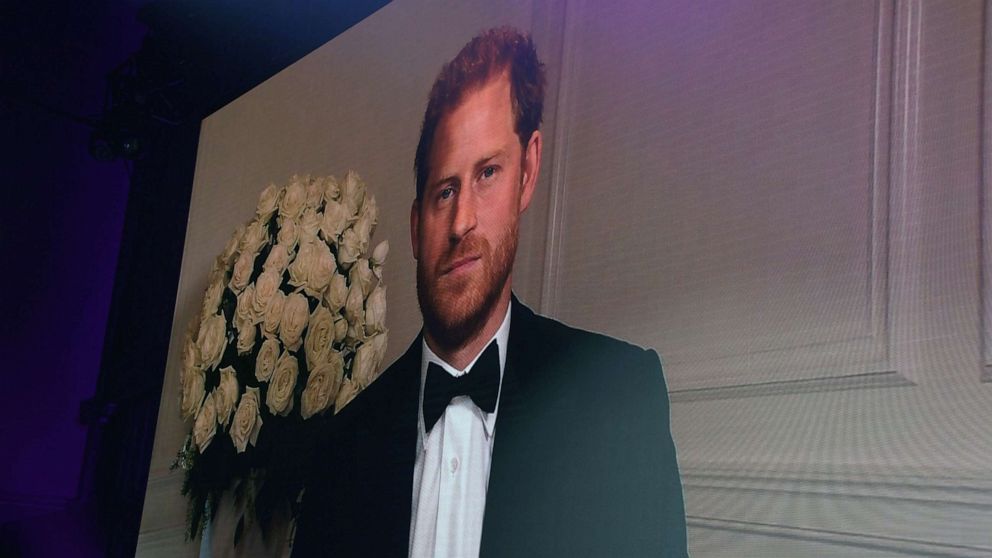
[[555, 337]]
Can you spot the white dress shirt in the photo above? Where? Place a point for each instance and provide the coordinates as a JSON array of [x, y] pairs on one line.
[[451, 473]]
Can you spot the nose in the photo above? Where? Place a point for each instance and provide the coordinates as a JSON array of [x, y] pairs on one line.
[[464, 218]]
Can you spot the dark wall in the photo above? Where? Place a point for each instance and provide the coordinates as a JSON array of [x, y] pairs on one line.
[[92, 248], [63, 215]]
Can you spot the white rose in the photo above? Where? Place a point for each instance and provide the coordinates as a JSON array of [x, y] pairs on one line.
[[322, 268], [320, 335], [355, 335], [340, 328], [256, 236], [337, 292], [352, 192], [371, 209], [231, 250], [293, 200], [367, 220], [244, 312], [310, 222], [363, 366], [375, 311], [277, 260], [295, 316], [348, 390], [241, 275], [212, 296], [349, 249], [218, 271], [354, 308], [299, 270], [289, 234], [361, 274], [363, 231], [266, 286], [322, 388], [273, 314], [336, 360], [205, 425], [246, 337], [333, 221], [192, 331], [226, 394], [247, 420], [332, 190], [315, 193], [191, 357], [279, 399], [380, 252], [379, 348], [192, 395], [307, 238], [265, 362], [268, 202], [212, 340]]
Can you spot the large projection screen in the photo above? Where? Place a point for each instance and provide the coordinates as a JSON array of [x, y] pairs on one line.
[[785, 199]]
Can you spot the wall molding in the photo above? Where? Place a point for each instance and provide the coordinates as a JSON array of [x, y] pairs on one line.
[[884, 379], [969, 492], [984, 216], [559, 159], [898, 545], [870, 349], [894, 184], [869, 508]]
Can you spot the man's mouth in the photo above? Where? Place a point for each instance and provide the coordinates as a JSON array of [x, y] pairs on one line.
[[460, 264]]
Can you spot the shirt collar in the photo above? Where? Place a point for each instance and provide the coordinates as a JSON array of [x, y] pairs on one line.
[[428, 356]]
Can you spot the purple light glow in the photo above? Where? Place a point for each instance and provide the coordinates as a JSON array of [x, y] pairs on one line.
[[62, 224]]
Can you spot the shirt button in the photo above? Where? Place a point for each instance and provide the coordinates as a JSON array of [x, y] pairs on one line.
[[454, 465]]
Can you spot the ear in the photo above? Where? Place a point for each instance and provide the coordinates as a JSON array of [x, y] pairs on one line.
[[531, 168], [414, 224]]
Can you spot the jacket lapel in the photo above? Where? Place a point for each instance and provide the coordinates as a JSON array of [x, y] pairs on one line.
[[383, 435], [511, 446]]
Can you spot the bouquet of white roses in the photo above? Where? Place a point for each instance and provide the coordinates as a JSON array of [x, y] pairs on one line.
[[292, 324]]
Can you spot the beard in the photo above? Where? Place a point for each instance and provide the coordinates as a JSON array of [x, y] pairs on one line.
[[456, 308]]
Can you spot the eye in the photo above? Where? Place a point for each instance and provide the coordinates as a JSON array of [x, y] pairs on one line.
[[488, 172], [446, 193]]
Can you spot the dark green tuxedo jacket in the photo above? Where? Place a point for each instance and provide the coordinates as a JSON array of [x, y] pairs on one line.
[[583, 460]]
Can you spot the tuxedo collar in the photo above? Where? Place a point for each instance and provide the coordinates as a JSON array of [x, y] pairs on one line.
[[390, 413], [501, 338], [520, 347], [404, 389]]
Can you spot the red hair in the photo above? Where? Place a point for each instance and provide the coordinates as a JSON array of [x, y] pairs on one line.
[[486, 56]]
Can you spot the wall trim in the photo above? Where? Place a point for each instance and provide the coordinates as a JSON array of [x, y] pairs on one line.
[[984, 218], [974, 493], [559, 158], [873, 347], [800, 503], [884, 379], [902, 546]]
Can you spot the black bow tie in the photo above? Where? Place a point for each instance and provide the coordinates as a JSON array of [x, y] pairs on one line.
[[481, 384]]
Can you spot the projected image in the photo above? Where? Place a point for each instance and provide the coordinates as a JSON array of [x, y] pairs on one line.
[[666, 279]]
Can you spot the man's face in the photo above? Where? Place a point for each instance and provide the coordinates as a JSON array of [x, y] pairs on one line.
[[464, 227]]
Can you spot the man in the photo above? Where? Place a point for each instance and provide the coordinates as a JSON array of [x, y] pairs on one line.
[[499, 432]]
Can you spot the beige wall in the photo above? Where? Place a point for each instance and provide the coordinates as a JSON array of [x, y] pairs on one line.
[[355, 103], [786, 199]]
